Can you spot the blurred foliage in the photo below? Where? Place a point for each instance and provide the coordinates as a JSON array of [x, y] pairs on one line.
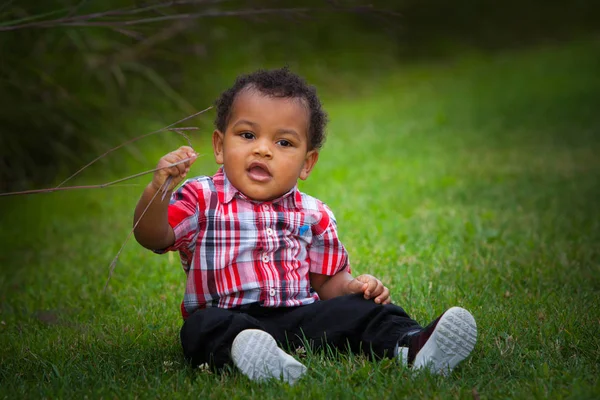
[[71, 92]]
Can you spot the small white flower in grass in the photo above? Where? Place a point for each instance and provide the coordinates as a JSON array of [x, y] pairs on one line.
[[301, 352], [168, 365], [205, 368]]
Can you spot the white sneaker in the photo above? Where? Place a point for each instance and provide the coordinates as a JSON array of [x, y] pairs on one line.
[[444, 343], [256, 355]]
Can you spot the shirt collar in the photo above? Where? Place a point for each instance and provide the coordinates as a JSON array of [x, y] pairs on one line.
[[227, 191]]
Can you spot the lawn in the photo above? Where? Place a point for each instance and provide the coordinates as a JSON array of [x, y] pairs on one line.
[[471, 182]]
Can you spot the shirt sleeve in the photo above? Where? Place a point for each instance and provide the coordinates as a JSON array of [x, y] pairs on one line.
[[183, 214], [327, 253]]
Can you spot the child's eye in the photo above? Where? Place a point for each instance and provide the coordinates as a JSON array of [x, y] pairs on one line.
[[284, 143], [247, 135]]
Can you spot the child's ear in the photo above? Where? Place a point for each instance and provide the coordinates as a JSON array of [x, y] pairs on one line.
[[218, 138], [309, 162]]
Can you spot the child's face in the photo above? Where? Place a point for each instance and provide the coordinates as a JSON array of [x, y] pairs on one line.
[[265, 147]]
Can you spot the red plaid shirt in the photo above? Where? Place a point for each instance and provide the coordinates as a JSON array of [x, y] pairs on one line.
[[236, 251]]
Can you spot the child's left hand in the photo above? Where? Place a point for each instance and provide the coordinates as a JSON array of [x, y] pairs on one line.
[[371, 287]]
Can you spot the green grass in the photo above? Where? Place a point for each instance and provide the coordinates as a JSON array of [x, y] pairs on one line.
[[473, 182]]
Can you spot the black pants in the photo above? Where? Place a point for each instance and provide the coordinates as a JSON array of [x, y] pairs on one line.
[[344, 323]]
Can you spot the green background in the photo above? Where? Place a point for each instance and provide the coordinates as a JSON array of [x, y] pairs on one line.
[[461, 164]]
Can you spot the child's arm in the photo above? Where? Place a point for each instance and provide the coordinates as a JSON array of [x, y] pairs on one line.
[[329, 272], [153, 230], [342, 283]]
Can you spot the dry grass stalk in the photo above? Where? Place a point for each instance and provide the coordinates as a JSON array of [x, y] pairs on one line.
[[100, 186], [113, 263], [164, 188], [107, 18], [166, 128]]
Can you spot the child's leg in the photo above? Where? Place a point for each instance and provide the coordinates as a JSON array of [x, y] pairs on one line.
[[344, 322], [443, 343], [207, 335], [219, 336], [256, 354], [381, 330]]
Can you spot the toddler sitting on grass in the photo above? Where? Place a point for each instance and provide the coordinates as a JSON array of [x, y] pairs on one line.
[[264, 264]]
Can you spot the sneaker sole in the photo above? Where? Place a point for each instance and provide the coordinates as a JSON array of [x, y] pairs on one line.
[[256, 354], [452, 341]]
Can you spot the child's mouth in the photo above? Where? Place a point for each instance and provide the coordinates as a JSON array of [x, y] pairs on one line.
[[258, 173]]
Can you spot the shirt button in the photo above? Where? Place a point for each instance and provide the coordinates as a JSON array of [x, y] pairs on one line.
[[272, 292], [266, 206], [265, 258], [269, 231]]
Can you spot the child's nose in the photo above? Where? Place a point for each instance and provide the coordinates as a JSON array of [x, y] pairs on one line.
[[263, 148]]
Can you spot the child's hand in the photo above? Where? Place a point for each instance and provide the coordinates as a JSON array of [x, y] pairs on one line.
[[177, 172], [371, 287]]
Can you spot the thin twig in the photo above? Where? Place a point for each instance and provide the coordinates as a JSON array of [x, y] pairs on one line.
[[150, 171], [100, 186], [188, 16], [86, 20], [132, 34], [180, 133], [103, 14], [147, 43], [134, 140], [165, 187]]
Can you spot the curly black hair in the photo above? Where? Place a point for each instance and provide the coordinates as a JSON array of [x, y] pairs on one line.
[[277, 83]]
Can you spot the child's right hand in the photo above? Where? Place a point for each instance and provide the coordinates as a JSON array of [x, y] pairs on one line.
[[177, 172]]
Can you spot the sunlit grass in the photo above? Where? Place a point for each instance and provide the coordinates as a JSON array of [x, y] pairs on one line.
[[472, 183]]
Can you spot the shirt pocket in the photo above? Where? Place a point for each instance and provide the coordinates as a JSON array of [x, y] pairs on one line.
[[299, 225]]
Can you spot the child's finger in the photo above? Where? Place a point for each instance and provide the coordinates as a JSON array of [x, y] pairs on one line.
[[378, 289], [356, 286], [371, 288], [176, 158], [181, 167], [189, 157], [174, 171], [384, 297], [192, 156], [185, 149]]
